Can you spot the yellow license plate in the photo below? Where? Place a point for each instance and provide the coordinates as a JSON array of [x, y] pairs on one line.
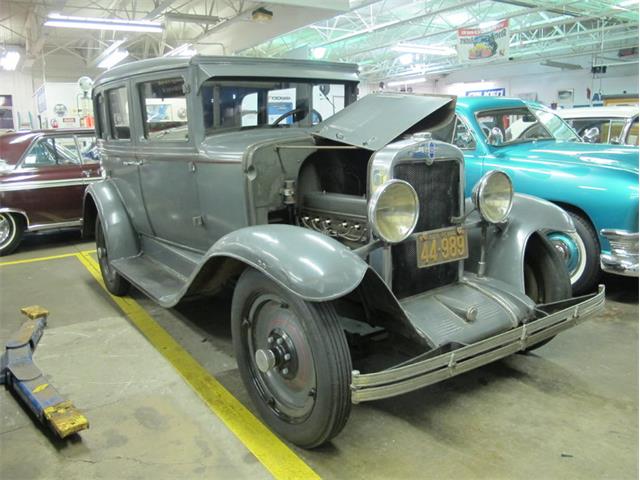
[[441, 246]]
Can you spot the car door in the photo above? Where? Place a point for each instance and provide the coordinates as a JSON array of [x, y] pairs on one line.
[[168, 160], [118, 152], [49, 184]]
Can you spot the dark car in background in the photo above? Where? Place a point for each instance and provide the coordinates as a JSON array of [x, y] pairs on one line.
[[43, 176]]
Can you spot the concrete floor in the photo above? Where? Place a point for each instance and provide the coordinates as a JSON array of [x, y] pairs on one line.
[[568, 411]]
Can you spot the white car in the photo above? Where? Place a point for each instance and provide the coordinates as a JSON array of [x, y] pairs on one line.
[[617, 124]]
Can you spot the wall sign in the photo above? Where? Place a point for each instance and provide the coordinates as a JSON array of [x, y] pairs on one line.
[[488, 92]]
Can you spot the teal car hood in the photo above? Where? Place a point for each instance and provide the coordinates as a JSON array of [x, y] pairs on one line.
[[606, 156]]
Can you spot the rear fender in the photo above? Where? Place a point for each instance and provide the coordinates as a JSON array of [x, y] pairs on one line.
[[122, 241], [506, 245]]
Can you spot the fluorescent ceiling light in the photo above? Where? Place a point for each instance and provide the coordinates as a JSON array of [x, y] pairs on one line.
[[456, 19], [9, 60], [318, 52], [57, 20], [406, 59], [116, 57], [628, 3], [183, 50], [409, 81], [442, 50], [489, 24]]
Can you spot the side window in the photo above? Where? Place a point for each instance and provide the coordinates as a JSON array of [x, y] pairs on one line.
[[632, 134], [102, 123], [164, 106], [88, 148], [53, 151], [119, 113], [462, 137]]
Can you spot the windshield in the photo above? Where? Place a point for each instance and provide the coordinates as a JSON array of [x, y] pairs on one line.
[[250, 103], [556, 126], [520, 124]]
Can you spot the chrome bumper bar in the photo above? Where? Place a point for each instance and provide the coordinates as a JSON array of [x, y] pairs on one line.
[[623, 259], [406, 378]]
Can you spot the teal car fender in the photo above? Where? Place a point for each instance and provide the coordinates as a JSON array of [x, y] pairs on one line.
[[506, 244]]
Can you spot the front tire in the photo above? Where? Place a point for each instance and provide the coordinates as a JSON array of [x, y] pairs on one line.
[[11, 231], [115, 283], [293, 358], [546, 279], [581, 253]]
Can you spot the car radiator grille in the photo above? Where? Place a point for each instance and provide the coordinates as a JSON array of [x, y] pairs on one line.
[[438, 188]]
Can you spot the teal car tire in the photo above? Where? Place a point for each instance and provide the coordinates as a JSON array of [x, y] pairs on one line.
[[581, 253]]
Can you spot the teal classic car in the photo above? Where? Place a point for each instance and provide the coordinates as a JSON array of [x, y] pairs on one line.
[[596, 184]]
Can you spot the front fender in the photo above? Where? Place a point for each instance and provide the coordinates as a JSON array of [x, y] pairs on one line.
[[505, 248], [313, 266], [122, 241]]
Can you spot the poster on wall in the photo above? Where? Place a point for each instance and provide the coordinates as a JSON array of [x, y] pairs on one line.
[[477, 45], [6, 112], [565, 97]]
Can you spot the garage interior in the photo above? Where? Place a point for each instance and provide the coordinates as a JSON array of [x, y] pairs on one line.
[[160, 386]]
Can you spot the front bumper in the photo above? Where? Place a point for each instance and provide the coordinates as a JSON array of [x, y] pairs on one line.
[[623, 259], [406, 378]]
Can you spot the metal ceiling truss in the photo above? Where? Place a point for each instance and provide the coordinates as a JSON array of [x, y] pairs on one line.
[[367, 34]]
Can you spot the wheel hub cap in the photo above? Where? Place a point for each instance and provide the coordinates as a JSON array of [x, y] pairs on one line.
[[568, 250], [5, 228]]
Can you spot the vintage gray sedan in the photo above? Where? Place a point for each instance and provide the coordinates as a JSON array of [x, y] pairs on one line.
[[359, 270]]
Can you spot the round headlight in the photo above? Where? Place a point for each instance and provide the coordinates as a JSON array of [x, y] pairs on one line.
[[493, 196], [393, 211]]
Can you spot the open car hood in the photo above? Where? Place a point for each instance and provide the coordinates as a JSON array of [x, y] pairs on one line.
[[380, 118]]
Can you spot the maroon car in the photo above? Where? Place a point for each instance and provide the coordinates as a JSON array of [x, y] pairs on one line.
[[43, 175]]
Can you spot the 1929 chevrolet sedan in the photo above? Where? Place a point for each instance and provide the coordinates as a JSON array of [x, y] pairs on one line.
[[359, 270]]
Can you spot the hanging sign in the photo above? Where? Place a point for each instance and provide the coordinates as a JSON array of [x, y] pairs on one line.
[[484, 44]]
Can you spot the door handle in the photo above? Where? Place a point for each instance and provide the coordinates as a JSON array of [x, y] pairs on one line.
[[86, 173], [135, 163]]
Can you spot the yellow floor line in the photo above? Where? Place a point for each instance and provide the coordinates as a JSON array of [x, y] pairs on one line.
[[272, 452], [37, 259]]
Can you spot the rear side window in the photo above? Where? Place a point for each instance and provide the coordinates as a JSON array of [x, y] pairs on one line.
[[164, 107], [119, 113]]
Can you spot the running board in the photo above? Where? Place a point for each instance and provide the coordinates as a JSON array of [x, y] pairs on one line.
[[409, 377]]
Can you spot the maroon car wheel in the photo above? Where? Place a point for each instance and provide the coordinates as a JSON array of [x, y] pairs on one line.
[[11, 230]]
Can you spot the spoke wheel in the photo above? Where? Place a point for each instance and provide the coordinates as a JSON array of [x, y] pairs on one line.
[[293, 358], [11, 229], [114, 282]]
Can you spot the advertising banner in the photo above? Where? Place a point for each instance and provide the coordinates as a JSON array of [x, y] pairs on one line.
[[477, 45], [489, 92]]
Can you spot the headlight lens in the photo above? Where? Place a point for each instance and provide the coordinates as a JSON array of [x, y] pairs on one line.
[[393, 211], [493, 196]]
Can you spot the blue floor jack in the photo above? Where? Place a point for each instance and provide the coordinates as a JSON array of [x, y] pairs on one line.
[[19, 374]]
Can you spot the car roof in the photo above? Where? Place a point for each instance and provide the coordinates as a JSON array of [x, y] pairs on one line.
[[473, 104], [622, 111], [234, 66]]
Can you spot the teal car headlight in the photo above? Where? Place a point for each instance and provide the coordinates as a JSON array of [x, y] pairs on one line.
[[493, 196]]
